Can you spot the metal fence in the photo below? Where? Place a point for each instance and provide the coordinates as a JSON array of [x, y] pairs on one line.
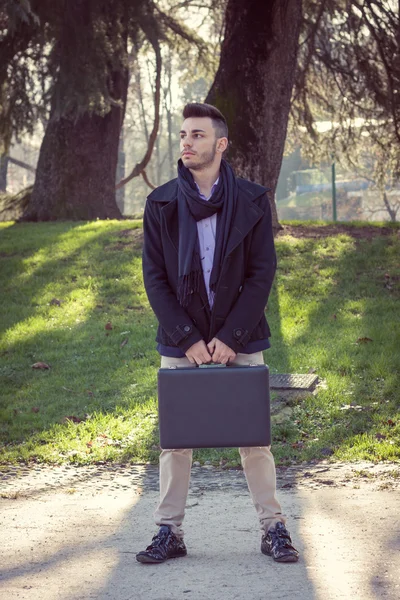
[[323, 194]]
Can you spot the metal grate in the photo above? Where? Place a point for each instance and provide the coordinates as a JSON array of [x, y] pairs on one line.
[[287, 381]]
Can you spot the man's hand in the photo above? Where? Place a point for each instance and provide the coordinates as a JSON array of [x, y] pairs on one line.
[[220, 352], [198, 353]]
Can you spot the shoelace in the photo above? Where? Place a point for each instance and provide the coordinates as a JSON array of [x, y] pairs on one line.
[[158, 539], [280, 536]]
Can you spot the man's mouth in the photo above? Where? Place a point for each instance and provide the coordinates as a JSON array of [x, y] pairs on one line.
[[187, 153]]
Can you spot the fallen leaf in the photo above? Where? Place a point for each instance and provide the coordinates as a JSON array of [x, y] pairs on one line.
[[90, 393], [298, 444], [108, 325], [73, 419], [89, 444], [55, 302], [35, 409], [40, 365], [104, 440], [380, 436], [391, 423], [326, 451], [123, 343], [363, 340]]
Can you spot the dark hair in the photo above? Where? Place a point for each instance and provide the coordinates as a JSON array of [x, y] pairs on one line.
[[196, 109]]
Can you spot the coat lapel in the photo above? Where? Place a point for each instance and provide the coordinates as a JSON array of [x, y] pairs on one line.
[[247, 215], [170, 215]]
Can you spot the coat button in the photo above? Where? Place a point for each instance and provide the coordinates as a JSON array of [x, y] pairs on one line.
[[187, 328], [238, 333]]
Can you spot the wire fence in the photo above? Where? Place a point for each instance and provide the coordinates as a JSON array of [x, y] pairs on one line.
[[314, 194]]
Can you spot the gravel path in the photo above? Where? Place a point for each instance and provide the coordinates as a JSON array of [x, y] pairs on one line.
[[71, 533], [26, 481]]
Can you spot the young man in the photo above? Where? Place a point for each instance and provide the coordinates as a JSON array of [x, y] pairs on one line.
[[208, 265]]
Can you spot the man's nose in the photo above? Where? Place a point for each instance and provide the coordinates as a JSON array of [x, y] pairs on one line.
[[186, 143]]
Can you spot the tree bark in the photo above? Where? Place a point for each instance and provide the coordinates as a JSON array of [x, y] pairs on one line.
[[120, 194], [253, 85], [76, 170], [392, 211]]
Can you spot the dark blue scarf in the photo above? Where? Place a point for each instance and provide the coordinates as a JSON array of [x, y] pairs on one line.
[[192, 208]]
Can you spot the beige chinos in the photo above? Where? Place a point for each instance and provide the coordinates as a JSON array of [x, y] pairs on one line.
[[258, 466]]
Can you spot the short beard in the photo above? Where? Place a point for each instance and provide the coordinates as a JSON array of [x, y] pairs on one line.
[[207, 159]]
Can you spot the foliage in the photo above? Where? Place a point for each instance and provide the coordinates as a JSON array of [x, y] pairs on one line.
[[60, 56], [73, 298], [349, 76], [187, 76]]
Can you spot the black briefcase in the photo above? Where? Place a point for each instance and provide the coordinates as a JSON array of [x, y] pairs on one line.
[[214, 406]]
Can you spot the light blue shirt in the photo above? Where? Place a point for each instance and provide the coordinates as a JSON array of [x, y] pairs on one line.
[[206, 230]]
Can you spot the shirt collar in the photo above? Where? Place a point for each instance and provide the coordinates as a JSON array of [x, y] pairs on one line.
[[214, 185]]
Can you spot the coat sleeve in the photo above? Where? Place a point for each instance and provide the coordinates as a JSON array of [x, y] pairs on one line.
[[170, 314], [259, 275]]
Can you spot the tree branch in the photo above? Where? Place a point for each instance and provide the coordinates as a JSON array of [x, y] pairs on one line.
[[385, 64], [22, 164], [146, 179], [138, 169]]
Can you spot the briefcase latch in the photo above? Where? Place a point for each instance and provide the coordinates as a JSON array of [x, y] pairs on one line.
[[173, 367]]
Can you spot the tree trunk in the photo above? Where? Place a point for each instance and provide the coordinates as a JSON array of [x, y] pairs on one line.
[[392, 212], [253, 85], [168, 109], [3, 172], [76, 170], [120, 194]]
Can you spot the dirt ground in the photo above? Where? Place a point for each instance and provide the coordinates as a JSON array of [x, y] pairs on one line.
[[319, 231], [72, 533]]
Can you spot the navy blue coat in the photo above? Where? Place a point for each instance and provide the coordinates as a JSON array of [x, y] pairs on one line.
[[247, 273]]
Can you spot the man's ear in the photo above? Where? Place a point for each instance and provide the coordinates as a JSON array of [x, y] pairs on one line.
[[222, 144]]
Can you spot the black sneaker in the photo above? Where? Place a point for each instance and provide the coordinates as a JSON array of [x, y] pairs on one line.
[[164, 545], [278, 544]]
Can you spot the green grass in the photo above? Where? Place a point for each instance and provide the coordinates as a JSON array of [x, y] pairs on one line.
[[328, 294]]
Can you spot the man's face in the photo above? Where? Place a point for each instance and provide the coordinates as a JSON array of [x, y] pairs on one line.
[[199, 146]]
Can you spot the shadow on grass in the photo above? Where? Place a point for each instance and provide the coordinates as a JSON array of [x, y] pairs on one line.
[[331, 295], [347, 329], [93, 272]]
